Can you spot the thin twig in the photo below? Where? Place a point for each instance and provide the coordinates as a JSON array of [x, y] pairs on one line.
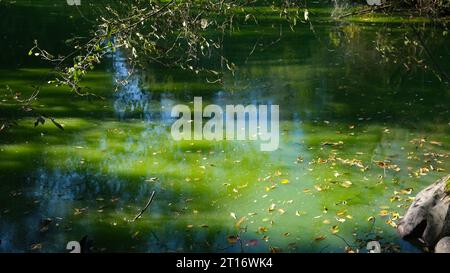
[[146, 206], [440, 73], [343, 239]]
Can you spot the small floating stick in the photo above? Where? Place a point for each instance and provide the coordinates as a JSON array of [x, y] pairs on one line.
[[146, 206]]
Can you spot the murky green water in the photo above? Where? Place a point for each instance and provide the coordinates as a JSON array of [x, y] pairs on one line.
[[342, 110]]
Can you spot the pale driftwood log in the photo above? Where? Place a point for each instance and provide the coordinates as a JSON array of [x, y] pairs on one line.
[[428, 217]]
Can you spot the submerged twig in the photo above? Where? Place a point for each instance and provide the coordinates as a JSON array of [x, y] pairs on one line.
[[146, 206], [440, 73]]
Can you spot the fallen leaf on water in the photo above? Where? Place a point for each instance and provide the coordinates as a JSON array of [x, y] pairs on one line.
[[204, 225], [335, 229], [391, 223], [395, 216], [326, 222], [299, 213], [232, 214], [135, 235], [281, 211], [240, 221], [406, 191], [320, 238], [152, 179], [275, 250], [436, 143], [189, 226], [346, 184], [272, 207], [383, 213], [284, 181], [262, 229], [45, 224], [36, 246], [350, 250], [243, 186], [341, 212], [79, 211], [334, 144], [232, 239]]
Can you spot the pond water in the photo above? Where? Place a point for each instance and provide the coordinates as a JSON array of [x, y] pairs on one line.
[[342, 111]]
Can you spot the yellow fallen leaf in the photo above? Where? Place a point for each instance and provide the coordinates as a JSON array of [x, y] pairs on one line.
[[284, 181], [335, 229], [272, 207], [391, 223], [262, 229], [299, 213], [275, 249], [383, 213], [406, 191], [436, 143], [240, 221], [341, 212]]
